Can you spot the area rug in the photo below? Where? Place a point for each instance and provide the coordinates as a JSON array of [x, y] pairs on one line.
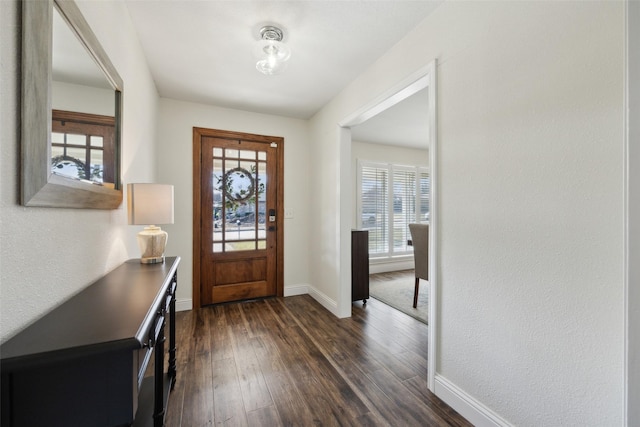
[[396, 290]]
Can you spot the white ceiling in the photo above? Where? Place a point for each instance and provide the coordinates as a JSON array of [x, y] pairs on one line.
[[405, 124], [202, 51]]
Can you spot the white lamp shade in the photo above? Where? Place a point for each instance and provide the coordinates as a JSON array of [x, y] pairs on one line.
[[150, 204]]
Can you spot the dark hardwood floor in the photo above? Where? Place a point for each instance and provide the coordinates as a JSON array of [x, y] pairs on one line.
[[289, 362]]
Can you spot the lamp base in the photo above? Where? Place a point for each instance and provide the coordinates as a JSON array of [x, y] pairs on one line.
[[152, 241], [152, 260]]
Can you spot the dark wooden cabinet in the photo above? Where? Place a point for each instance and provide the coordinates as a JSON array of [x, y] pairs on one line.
[[359, 265], [84, 363]]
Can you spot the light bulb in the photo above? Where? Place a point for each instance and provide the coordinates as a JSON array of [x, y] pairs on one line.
[[270, 66], [272, 55]]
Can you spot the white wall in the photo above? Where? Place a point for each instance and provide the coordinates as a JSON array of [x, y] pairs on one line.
[[324, 183], [633, 279], [84, 99], [47, 255], [175, 166], [530, 135]]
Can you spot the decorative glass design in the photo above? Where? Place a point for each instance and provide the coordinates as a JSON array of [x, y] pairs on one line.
[[239, 200], [238, 184], [78, 156]]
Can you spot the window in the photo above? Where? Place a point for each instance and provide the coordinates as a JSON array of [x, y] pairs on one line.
[[390, 197], [82, 146]]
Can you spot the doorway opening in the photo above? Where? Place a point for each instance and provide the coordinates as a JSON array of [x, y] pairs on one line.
[[421, 79]]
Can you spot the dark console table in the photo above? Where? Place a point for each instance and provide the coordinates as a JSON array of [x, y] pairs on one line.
[[97, 359]]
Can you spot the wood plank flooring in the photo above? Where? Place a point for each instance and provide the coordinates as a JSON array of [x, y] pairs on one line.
[[289, 362]]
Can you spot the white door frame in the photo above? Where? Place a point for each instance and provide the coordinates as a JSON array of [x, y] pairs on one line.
[[422, 78], [632, 214]]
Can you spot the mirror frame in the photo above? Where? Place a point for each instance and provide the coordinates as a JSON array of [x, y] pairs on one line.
[[41, 187]]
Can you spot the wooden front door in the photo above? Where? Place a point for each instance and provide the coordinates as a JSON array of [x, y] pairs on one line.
[[239, 210]]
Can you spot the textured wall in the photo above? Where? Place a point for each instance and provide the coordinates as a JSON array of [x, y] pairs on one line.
[[530, 133], [47, 255], [531, 231]]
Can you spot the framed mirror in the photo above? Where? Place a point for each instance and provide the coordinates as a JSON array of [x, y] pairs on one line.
[[71, 111]]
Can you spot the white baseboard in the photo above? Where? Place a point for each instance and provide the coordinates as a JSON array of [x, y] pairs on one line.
[[290, 291], [474, 411], [324, 300], [185, 304]]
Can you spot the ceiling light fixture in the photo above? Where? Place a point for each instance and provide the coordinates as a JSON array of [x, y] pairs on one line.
[[272, 53]]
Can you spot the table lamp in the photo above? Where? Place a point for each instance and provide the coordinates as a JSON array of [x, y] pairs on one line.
[[150, 204]]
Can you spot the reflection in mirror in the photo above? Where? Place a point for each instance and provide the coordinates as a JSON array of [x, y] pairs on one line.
[[83, 116], [71, 111], [82, 146]]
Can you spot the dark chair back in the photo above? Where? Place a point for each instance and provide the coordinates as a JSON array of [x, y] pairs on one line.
[[420, 241]]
